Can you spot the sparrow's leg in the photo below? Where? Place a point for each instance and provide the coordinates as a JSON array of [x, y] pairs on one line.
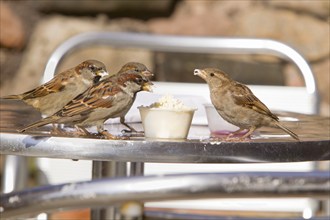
[[109, 136], [234, 133], [250, 131], [82, 130], [106, 134], [57, 130], [131, 129]]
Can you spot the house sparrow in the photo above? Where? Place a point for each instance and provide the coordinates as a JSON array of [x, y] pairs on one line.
[[137, 68], [50, 97], [237, 104], [109, 98]]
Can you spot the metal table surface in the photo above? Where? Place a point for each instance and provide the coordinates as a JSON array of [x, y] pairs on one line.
[[267, 145]]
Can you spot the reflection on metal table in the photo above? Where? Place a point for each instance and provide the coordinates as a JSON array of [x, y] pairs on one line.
[[267, 145]]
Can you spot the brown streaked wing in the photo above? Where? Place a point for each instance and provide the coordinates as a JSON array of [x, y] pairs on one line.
[[100, 96], [243, 96], [55, 85]]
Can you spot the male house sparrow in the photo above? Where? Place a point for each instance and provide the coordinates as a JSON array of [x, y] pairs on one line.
[[137, 68], [237, 104], [50, 97], [109, 98]]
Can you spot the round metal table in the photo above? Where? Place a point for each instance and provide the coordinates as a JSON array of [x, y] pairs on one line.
[[266, 145]]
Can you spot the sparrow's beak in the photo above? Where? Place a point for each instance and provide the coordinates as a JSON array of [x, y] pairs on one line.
[[147, 86], [147, 73], [200, 73], [102, 73]]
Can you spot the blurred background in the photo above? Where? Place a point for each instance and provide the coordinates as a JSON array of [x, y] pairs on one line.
[[30, 30]]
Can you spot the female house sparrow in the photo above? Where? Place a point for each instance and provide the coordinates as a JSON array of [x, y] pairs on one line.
[[50, 97], [109, 98], [237, 104]]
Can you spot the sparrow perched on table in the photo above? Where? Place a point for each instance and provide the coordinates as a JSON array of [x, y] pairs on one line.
[[51, 96], [237, 104], [109, 98], [137, 68]]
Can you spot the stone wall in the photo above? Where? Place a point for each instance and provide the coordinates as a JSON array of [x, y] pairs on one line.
[[29, 32]]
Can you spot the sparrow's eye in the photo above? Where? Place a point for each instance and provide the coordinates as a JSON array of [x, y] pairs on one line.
[[93, 68], [139, 80], [212, 74], [136, 70]]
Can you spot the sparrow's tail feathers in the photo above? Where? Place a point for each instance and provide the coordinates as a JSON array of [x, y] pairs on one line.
[[17, 97], [291, 133], [40, 123]]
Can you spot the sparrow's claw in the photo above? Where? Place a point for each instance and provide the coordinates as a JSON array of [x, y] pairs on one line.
[[81, 132], [227, 139], [56, 130], [233, 138], [109, 136], [236, 139], [126, 131], [216, 139], [130, 128]]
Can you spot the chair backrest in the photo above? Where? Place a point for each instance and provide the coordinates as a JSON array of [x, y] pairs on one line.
[[308, 98]]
